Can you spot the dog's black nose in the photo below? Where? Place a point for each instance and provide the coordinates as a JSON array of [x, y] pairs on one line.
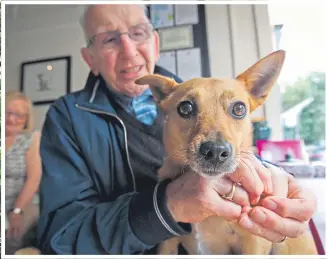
[[215, 151]]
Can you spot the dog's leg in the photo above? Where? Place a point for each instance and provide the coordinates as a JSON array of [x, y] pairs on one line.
[[195, 243], [255, 245], [303, 245], [213, 236], [169, 247]]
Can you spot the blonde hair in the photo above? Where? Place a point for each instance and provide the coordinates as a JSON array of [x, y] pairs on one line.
[[16, 95]]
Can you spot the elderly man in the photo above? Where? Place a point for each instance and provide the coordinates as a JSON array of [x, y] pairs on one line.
[[102, 146]]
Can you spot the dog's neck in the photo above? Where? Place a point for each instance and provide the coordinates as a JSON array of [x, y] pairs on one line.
[[172, 170]]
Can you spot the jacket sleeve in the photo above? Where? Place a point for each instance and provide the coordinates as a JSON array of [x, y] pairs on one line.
[[75, 220]]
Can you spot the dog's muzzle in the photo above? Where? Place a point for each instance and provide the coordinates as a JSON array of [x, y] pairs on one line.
[[215, 151]]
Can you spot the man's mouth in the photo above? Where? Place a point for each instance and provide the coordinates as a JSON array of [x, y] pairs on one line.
[[134, 69]]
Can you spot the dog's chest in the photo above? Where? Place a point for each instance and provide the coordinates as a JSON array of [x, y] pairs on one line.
[[216, 235]]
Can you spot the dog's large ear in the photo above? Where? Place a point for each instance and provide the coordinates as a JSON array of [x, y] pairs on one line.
[[261, 77], [160, 86]]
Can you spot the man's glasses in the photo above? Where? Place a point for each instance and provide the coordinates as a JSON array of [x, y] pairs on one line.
[[111, 39], [16, 115]]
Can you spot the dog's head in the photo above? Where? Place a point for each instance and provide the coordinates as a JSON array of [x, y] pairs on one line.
[[208, 122]]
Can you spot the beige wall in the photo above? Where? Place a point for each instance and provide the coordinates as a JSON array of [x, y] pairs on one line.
[[238, 35]]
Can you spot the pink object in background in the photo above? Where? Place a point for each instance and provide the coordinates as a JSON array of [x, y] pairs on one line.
[[275, 151]]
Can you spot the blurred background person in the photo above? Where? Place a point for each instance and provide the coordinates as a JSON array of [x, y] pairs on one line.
[[22, 173]]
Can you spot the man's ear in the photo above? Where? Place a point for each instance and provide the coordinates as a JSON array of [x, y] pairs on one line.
[[160, 86], [261, 77], [157, 46], [88, 58]]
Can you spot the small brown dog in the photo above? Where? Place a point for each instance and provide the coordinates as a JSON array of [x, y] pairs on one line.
[[206, 130]]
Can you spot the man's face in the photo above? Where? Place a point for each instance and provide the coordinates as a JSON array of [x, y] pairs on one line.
[[126, 60]]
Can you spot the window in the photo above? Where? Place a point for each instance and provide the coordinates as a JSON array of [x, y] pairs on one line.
[[300, 30]]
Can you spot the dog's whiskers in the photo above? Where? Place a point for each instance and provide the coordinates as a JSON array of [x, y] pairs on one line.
[[195, 165], [215, 166]]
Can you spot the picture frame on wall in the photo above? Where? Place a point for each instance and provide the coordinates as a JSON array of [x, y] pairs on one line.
[[45, 80], [179, 37]]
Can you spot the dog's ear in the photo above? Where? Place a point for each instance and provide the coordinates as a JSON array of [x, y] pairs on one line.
[[261, 77], [160, 86]]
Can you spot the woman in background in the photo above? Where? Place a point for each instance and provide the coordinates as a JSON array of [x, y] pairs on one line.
[[23, 170]]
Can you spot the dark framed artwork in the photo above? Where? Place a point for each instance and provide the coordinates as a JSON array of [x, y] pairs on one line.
[[45, 80]]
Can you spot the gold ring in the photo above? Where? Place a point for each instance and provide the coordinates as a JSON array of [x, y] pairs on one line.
[[283, 239], [229, 196]]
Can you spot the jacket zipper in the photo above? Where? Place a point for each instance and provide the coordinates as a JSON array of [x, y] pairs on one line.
[[125, 133]]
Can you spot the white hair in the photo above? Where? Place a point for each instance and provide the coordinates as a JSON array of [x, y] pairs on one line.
[[83, 17]]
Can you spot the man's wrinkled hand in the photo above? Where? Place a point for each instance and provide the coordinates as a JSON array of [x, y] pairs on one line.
[[286, 213]]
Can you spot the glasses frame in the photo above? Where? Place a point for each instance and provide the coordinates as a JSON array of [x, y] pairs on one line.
[[91, 40], [16, 115]]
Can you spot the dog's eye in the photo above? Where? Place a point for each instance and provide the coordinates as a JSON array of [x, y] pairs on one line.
[[238, 110], [185, 109]]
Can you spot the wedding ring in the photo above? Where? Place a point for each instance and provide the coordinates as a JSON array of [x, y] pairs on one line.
[[229, 196]]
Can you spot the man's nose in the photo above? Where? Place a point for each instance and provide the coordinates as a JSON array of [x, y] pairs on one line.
[[128, 46]]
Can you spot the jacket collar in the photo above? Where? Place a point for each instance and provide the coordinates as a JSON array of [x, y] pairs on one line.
[[94, 95]]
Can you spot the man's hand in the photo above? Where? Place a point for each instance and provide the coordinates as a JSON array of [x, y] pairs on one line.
[[285, 213], [253, 177], [192, 198]]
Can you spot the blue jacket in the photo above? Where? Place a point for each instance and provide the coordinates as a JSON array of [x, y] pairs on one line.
[[88, 198]]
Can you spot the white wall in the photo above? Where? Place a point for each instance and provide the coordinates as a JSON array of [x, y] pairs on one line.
[[238, 35], [38, 32]]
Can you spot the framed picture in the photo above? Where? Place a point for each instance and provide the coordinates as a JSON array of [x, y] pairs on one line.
[[45, 80], [179, 37]]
